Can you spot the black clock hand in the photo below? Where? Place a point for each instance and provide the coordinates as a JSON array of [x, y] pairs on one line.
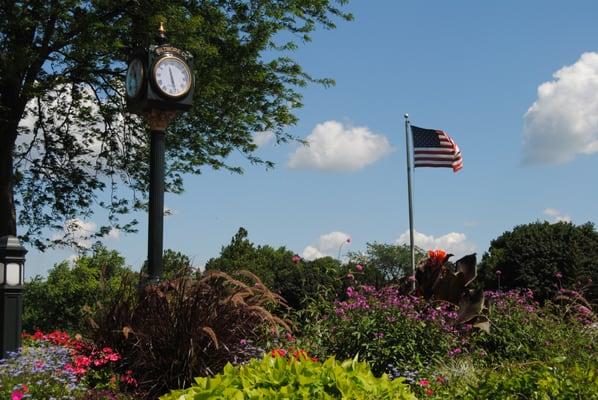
[[172, 78]]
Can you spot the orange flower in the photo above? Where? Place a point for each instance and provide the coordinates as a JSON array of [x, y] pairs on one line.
[[437, 256]]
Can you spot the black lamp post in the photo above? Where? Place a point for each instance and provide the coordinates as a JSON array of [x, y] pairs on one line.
[[12, 277]]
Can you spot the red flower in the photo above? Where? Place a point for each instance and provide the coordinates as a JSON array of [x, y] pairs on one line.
[[424, 382], [279, 353], [429, 392]]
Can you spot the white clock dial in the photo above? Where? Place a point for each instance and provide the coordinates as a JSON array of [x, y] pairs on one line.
[[172, 76], [134, 78]]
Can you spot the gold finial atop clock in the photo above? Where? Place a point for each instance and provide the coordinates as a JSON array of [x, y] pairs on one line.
[[161, 29]]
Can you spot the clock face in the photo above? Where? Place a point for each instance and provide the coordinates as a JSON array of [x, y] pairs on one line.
[[172, 77], [134, 78]]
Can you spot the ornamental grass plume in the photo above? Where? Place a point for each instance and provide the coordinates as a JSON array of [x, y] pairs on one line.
[[174, 331]]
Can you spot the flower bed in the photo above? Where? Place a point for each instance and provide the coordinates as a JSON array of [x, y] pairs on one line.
[[58, 366]]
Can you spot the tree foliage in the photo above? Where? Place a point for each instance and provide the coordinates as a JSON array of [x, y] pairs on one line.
[[66, 142], [296, 280], [544, 257], [393, 261], [174, 265], [65, 299]]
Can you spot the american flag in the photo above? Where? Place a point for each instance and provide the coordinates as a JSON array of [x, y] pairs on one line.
[[434, 148]]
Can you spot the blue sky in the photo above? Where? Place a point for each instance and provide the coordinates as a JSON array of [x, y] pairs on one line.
[[470, 68]]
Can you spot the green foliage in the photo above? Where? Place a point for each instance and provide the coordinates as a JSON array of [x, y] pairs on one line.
[[297, 281], [390, 335], [84, 148], [174, 265], [66, 297], [279, 378], [531, 256], [555, 379], [523, 331], [393, 261], [174, 331], [241, 254]]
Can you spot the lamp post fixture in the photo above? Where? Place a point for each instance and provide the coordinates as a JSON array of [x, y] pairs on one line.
[[12, 277], [159, 84]]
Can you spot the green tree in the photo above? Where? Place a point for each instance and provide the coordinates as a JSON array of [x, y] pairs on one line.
[[393, 261], [65, 298], [67, 143], [543, 257], [241, 254], [174, 265], [297, 280]]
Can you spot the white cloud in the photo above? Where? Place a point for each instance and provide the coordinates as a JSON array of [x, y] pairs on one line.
[[453, 242], [328, 245], [333, 146], [262, 138], [563, 122], [556, 215]]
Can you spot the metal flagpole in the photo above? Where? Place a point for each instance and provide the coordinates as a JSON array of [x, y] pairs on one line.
[[411, 238]]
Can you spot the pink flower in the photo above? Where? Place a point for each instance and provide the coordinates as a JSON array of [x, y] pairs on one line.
[[296, 258], [498, 272], [429, 392], [454, 352], [423, 382], [16, 395], [558, 275], [243, 342], [359, 267], [350, 276]]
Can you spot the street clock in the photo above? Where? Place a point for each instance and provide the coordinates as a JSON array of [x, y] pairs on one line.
[[159, 78]]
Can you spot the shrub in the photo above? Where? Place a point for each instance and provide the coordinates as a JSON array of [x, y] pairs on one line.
[[295, 378], [61, 300], [58, 366], [394, 333], [522, 330], [532, 380], [176, 330], [543, 257]]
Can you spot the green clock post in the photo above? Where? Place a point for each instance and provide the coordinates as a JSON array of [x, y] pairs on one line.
[[159, 84]]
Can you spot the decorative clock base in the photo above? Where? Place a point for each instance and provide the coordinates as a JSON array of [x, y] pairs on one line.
[[159, 119]]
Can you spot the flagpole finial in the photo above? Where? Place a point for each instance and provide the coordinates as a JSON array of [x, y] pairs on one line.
[[406, 116]]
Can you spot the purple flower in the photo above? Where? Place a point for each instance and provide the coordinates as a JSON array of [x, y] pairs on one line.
[[454, 352]]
